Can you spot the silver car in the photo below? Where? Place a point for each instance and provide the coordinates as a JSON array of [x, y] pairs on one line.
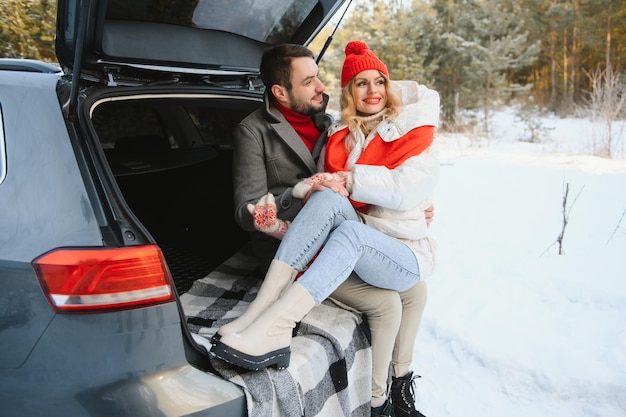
[[115, 195]]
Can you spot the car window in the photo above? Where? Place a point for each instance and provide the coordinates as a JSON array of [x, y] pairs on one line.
[[267, 21], [217, 125], [117, 121], [141, 125], [162, 133], [3, 159]]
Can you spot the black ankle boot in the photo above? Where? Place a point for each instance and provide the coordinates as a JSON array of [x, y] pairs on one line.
[[403, 396], [385, 410]]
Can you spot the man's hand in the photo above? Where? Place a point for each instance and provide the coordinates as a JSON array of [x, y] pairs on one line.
[[265, 219], [429, 213]]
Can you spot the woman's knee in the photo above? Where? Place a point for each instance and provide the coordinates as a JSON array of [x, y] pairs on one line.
[[329, 200], [326, 195]]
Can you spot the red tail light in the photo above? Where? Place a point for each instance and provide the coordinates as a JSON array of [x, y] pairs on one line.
[[103, 279]]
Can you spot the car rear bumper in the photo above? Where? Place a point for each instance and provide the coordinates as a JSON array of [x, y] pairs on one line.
[[127, 363]]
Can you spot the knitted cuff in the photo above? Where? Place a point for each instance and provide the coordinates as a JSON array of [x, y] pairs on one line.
[[349, 181], [279, 233]]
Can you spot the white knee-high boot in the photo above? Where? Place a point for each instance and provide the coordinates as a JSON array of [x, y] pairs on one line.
[[266, 341], [278, 277]]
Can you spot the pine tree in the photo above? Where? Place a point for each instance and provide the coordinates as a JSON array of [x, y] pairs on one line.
[[27, 29], [491, 34]]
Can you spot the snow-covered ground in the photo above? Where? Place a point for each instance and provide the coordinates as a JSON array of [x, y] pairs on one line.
[[512, 328]]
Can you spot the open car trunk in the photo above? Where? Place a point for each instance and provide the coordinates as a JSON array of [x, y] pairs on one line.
[[171, 157], [175, 78], [167, 155]]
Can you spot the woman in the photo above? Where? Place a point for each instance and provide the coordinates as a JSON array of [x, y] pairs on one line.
[[364, 213]]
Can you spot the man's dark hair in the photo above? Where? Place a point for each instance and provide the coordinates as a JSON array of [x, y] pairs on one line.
[[276, 64]]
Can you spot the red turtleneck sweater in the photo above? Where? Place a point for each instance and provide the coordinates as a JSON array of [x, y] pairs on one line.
[[302, 124]]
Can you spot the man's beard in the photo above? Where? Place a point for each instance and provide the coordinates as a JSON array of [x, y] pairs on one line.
[[306, 109]]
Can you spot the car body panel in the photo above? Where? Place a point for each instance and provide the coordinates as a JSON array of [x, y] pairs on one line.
[[38, 152], [29, 65], [24, 313]]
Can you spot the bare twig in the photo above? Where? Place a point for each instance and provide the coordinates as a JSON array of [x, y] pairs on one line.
[[566, 212], [559, 239], [617, 227]]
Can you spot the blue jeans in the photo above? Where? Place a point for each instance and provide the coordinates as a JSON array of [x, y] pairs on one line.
[[330, 223]]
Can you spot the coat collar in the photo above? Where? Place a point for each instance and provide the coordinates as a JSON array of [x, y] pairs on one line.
[[284, 130]]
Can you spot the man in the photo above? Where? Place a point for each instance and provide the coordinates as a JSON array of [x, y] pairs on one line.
[[275, 148], [279, 144]]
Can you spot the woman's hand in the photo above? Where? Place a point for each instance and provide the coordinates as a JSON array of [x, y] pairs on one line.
[[338, 182], [429, 214]]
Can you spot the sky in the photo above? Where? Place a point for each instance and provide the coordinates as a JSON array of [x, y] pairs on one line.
[[512, 328]]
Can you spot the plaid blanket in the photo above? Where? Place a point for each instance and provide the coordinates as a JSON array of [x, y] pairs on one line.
[[329, 374]]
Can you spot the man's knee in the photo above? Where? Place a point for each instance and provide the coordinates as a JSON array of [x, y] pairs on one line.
[[369, 300], [416, 296]]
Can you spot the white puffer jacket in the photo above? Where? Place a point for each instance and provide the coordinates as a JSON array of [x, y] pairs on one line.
[[398, 197]]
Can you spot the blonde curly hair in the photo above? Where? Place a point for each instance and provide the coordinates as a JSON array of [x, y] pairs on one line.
[[353, 119]]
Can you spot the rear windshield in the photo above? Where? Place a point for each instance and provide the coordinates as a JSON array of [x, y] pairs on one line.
[[268, 21]]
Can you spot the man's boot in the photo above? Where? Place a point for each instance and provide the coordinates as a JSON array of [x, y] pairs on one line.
[[266, 341], [403, 396], [278, 277]]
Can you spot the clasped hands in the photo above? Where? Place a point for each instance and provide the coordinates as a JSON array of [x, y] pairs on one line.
[[264, 212], [339, 182]]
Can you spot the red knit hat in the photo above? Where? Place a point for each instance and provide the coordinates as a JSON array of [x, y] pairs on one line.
[[360, 58]]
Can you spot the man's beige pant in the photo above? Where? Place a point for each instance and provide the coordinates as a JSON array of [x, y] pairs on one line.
[[394, 319]]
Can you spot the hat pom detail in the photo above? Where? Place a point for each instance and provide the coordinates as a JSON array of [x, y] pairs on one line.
[[356, 48]]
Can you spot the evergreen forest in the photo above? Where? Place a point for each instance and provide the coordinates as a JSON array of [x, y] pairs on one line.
[[558, 55]]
